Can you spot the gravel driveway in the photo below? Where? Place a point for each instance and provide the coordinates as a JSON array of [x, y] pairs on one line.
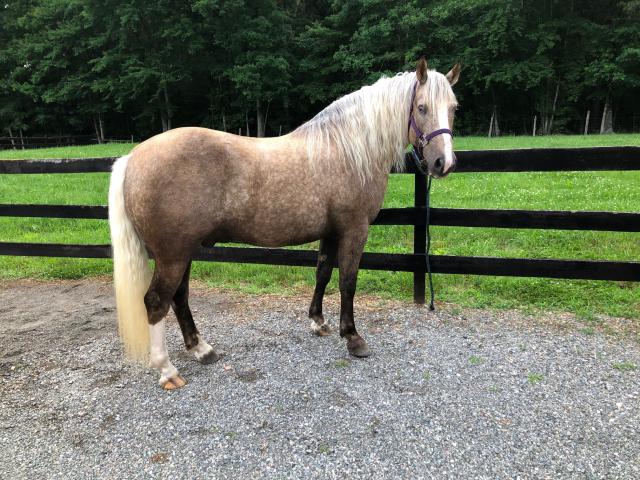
[[450, 394]]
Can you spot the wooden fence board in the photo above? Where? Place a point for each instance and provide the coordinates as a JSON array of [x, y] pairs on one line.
[[518, 160], [414, 216], [513, 267]]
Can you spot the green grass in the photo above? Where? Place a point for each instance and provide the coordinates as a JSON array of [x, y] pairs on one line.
[[81, 151], [625, 366], [554, 141], [613, 191], [475, 360], [534, 378]]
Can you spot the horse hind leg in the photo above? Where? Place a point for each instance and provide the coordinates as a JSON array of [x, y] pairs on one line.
[[326, 260], [166, 279], [193, 341]]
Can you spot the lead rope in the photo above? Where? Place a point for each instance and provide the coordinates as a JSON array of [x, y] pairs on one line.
[[426, 255]]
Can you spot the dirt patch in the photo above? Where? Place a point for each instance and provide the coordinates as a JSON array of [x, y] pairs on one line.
[[34, 314]]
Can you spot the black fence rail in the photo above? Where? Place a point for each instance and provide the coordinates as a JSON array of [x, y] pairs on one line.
[[523, 160]]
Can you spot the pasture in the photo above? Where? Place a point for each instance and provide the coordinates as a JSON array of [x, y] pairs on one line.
[[614, 191]]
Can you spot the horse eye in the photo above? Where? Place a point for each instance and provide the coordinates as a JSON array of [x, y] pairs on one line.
[[421, 108]]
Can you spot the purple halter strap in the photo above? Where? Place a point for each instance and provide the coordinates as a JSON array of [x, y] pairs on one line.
[[422, 137]]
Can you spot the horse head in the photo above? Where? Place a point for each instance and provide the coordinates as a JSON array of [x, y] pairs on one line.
[[433, 106]]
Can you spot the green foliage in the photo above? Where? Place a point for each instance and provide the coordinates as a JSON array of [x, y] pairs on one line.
[[141, 67]]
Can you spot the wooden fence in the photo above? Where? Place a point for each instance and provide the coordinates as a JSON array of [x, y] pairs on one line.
[[525, 160]]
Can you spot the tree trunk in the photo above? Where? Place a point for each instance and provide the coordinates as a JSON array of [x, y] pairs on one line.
[[491, 125], [606, 125], [586, 123], [266, 117], [97, 130], [11, 138], [168, 107], [553, 108], [246, 119], [259, 119], [224, 123], [163, 119], [285, 105], [535, 124], [496, 127], [21, 138], [101, 124], [211, 110]]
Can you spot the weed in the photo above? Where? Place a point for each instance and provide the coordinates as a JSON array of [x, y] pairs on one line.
[[324, 449], [534, 378], [588, 330], [625, 366], [342, 363]]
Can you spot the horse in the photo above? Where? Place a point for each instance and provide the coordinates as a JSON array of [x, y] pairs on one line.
[[324, 181]]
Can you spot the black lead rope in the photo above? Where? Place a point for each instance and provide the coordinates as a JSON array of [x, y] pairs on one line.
[[417, 158], [426, 255]]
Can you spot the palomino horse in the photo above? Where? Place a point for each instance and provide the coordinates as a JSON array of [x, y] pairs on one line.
[[326, 180]]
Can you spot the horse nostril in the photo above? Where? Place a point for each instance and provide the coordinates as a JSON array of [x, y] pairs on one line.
[[438, 163], [453, 163]]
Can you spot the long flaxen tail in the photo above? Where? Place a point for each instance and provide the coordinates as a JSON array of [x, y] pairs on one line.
[[131, 274]]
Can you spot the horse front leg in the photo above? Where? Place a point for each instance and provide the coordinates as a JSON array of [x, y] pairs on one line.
[[350, 249], [326, 260]]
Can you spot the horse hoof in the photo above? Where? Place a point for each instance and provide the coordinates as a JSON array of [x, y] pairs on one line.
[[320, 330], [209, 357], [358, 347], [173, 383]]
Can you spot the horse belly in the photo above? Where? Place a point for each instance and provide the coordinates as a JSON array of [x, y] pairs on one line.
[[277, 226]]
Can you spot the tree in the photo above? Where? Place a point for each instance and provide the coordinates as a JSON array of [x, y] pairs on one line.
[[116, 67], [257, 54]]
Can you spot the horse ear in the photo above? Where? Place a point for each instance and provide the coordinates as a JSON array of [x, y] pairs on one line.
[[421, 70], [454, 74]]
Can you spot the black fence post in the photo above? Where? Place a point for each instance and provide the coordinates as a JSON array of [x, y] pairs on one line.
[[419, 240]]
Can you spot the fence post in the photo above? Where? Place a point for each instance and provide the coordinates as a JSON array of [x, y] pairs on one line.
[[419, 239]]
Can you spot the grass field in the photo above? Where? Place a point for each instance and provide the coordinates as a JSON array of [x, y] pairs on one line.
[[614, 191]]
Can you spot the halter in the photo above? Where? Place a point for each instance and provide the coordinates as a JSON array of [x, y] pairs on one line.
[[423, 138]]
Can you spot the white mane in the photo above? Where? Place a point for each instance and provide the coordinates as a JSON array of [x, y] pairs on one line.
[[369, 127]]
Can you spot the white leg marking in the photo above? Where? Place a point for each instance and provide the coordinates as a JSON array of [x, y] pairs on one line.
[[320, 329], [443, 122], [159, 356], [201, 349]]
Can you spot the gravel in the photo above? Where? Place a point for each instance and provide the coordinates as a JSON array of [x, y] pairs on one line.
[[451, 394]]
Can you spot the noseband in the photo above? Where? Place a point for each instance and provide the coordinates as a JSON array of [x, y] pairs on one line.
[[423, 138]]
